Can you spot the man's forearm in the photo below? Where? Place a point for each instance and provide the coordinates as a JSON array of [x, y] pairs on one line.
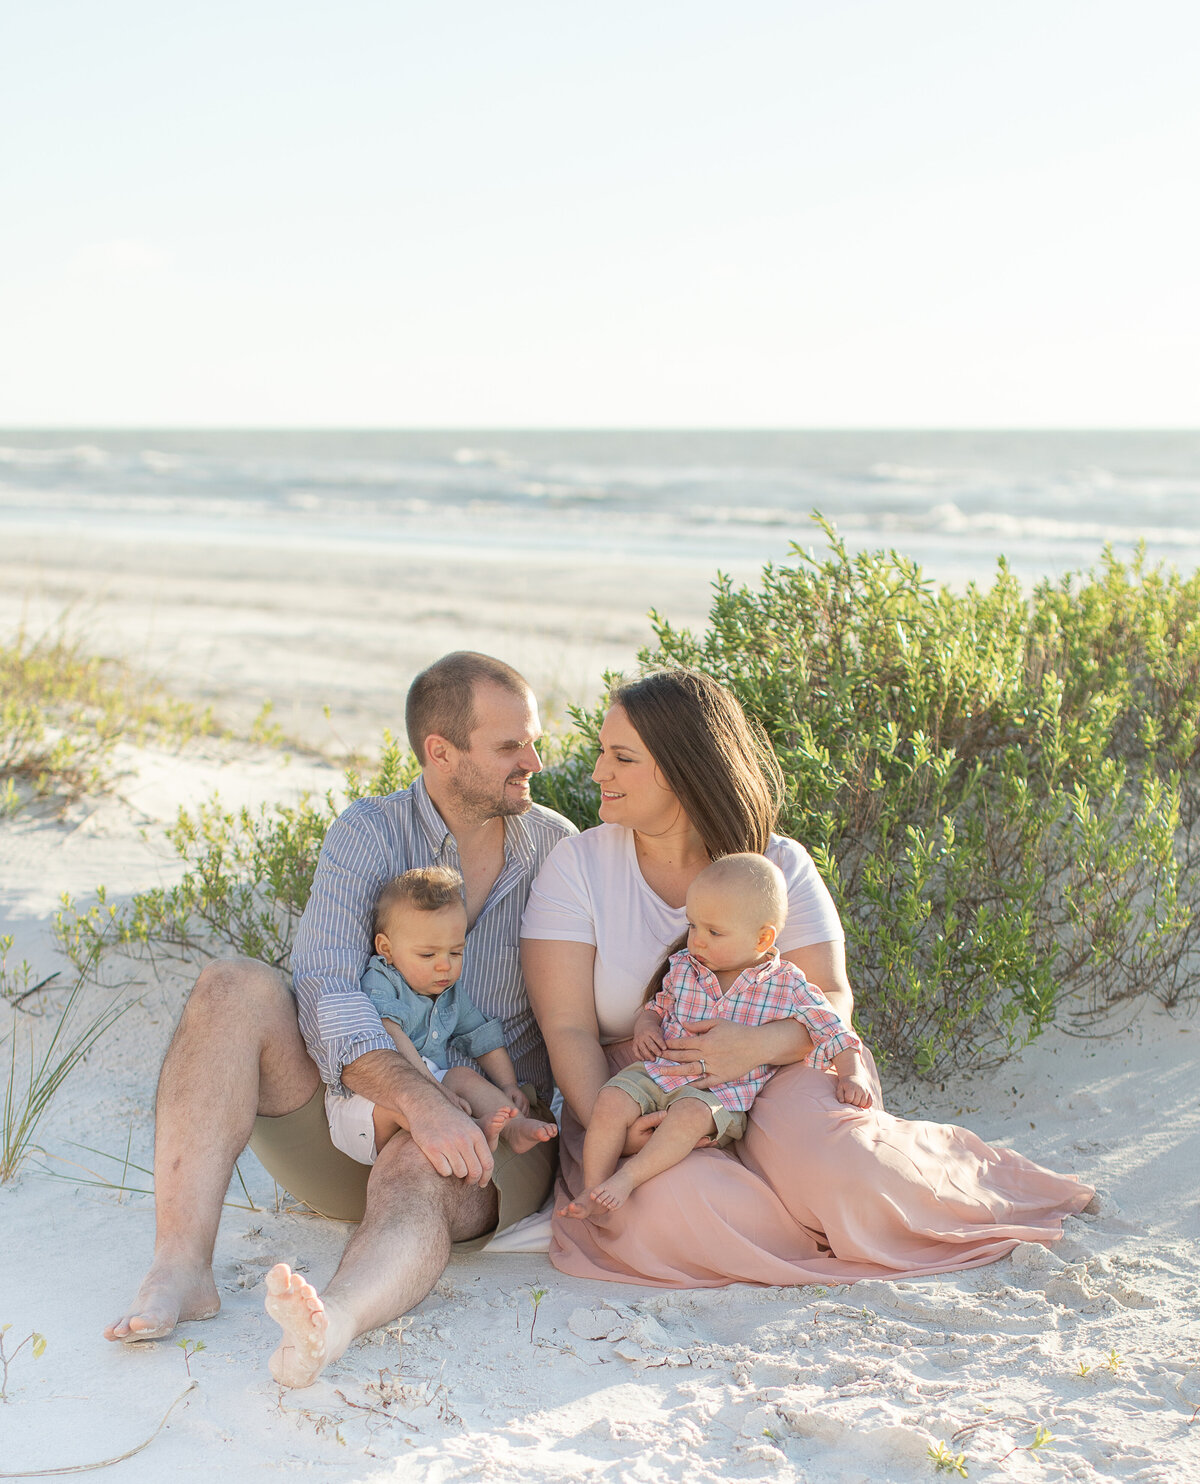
[[387, 1079]]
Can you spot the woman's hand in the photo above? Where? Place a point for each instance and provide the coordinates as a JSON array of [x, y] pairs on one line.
[[723, 1051]]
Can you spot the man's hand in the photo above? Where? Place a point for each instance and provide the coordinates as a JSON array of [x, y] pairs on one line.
[[452, 1143]]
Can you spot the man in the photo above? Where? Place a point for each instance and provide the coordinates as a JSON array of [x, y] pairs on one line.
[[239, 1067]]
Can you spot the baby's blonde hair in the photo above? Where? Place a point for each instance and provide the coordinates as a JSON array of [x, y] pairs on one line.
[[756, 883], [759, 880]]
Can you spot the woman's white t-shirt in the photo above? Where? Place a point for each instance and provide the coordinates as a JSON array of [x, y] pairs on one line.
[[591, 890]]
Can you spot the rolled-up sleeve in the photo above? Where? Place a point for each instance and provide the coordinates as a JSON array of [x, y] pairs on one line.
[[476, 1035], [337, 1020], [830, 1035]]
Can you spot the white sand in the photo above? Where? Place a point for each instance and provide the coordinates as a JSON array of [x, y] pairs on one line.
[[617, 1383]]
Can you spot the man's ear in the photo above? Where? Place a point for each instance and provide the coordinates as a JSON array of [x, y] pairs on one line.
[[439, 754], [766, 937]]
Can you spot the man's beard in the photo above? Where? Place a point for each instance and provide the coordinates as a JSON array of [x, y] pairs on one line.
[[473, 793]]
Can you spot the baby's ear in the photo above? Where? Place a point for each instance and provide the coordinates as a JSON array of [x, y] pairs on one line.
[[382, 947], [766, 937]]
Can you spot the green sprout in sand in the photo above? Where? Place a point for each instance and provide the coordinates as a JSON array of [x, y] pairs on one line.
[[945, 1462], [537, 1294], [190, 1348], [39, 1349]]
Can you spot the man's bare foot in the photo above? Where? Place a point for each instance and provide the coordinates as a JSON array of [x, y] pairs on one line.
[[521, 1134], [602, 1200], [494, 1126], [295, 1307], [171, 1293]]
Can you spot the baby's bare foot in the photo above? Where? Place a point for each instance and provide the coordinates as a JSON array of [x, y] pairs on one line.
[[295, 1307], [521, 1134], [171, 1293], [494, 1127], [602, 1200]]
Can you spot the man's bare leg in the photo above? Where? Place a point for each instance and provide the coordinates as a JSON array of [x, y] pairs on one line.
[[392, 1261], [236, 1052]]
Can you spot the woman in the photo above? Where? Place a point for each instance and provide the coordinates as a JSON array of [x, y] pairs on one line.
[[817, 1191]]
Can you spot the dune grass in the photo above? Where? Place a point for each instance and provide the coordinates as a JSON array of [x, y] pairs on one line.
[[63, 710], [30, 1082]]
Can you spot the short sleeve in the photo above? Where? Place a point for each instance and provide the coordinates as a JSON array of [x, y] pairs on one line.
[[560, 902], [812, 916]]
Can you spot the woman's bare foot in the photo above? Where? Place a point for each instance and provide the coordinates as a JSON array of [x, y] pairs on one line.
[[602, 1200], [295, 1307], [171, 1293], [493, 1127], [521, 1134]]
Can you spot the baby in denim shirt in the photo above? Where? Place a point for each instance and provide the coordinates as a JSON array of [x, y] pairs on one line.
[[419, 931]]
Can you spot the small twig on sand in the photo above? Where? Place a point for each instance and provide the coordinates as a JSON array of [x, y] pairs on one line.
[[26, 994], [85, 1468], [378, 1411]]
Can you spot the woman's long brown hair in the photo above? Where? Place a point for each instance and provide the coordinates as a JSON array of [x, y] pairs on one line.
[[716, 762]]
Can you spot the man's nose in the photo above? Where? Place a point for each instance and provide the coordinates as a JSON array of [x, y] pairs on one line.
[[530, 760]]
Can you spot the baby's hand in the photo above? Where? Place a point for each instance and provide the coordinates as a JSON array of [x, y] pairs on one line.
[[648, 1043], [518, 1099], [853, 1088]]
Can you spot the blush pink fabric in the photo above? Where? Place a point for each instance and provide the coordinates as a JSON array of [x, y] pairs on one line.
[[816, 1192]]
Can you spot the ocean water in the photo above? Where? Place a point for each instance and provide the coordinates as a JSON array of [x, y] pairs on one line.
[[954, 501]]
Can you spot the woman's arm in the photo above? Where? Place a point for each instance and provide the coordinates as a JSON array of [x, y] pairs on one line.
[[729, 1051], [559, 978], [824, 966]]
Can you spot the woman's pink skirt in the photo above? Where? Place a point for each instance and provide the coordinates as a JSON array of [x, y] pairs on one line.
[[816, 1192]]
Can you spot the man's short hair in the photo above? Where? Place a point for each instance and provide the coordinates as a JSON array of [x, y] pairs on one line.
[[441, 700], [427, 888]]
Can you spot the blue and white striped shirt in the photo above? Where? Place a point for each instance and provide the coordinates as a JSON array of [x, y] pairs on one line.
[[374, 840]]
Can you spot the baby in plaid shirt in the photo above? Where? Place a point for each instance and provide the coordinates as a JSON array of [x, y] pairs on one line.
[[732, 970]]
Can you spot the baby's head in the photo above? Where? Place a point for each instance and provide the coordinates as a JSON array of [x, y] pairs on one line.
[[420, 927], [736, 909]]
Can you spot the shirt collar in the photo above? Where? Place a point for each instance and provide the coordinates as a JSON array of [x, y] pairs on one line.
[[753, 974], [433, 826]]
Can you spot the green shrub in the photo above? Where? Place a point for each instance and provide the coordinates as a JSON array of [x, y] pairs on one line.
[[991, 784], [1001, 789], [246, 878]]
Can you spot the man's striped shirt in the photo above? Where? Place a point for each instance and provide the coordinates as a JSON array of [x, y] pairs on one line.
[[372, 841]]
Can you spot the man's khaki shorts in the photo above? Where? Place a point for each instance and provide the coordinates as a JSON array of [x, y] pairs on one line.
[[637, 1083], [297, 1152]]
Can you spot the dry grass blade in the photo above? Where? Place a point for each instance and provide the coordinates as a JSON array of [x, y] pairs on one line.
[[104, 1463]]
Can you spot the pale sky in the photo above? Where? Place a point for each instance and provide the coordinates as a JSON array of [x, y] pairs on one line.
[[501, 213]]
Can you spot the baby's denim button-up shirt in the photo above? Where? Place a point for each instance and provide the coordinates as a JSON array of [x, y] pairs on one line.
[[431, 1022]]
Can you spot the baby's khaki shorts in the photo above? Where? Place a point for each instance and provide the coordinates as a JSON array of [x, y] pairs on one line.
[[651, 1098]]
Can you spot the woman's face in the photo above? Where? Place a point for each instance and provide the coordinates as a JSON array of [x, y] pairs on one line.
[[632, 790]]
